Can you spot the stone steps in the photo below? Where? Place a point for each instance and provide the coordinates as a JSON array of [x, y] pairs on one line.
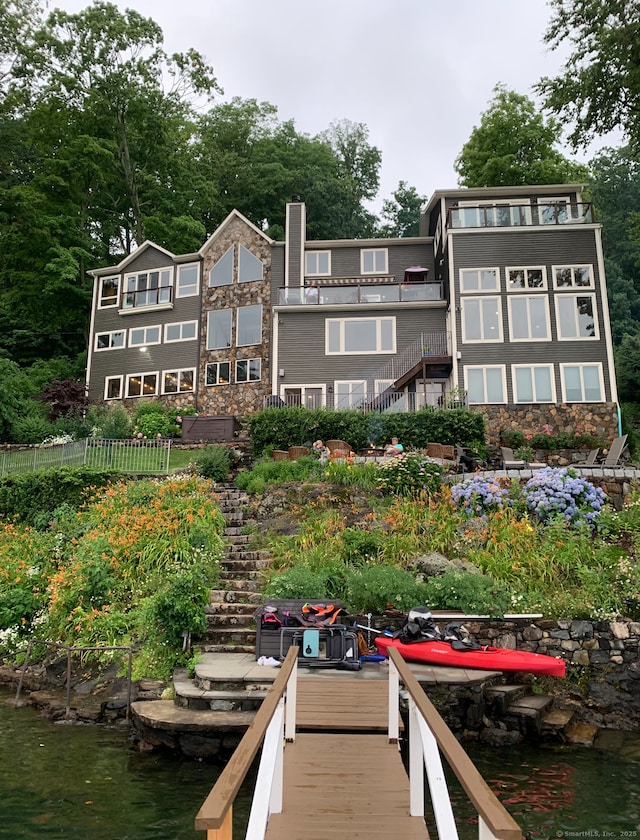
[[516, 708]]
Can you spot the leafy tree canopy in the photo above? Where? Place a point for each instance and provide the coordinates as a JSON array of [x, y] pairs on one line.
[[514, 145], [598, 90], [401, 214]]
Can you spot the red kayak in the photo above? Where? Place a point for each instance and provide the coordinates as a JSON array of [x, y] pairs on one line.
[[487, 658]]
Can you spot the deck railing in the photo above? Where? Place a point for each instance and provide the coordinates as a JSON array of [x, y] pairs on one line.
[[494, 215], [429, 737], [359, 291], [270, 728]]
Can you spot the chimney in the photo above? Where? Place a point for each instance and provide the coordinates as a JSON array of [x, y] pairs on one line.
[[295, 233]]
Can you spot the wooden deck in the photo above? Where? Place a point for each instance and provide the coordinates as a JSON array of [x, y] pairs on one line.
[[344, 787], [349, 782]]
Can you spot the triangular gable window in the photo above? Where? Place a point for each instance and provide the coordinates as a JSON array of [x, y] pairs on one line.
[[249, 266], [222, 272]]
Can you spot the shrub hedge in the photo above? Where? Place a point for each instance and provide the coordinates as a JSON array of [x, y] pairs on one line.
[[279, 428]]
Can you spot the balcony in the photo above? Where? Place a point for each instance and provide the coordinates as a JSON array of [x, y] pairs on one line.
[[148, 298], [359, 292], [519, 215]]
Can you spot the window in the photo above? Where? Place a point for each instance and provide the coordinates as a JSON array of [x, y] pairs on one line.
[[149, 288], [222, 272], [529, 318], [143, 336], [573, 276], [187, 283], [479, 279], [373, 261], [553, 211], [582, 383], [576, 317], [481, 319], [360, 335], [526, 278], [491, 214], [219, 329], [248, 370], [109, 288], [181, 331], [249, 326], [113, 388], [218, 373], [350, 393], [249, 266], [110, 340], [485, 384], [177, 381], [317, 262], [142, 384], [533, 384]]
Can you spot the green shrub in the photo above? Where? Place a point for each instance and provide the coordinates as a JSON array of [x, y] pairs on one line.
[[32, 496], [31, 429], [269, 472], [113, 423], [409, 475], [471, 593], [374, 588], [214, 462], [297, 582]]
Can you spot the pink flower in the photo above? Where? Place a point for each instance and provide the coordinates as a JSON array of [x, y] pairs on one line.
[[139, 435], [159, 436], [178, 419], [528, 437]]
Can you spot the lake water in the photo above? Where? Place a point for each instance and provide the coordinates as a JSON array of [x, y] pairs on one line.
[[71, 781]]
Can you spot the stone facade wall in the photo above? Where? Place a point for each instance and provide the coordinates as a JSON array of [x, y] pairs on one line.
[[597, 419], [246, 397]]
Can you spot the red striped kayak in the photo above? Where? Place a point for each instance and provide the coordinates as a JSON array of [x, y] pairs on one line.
[[487, 658]]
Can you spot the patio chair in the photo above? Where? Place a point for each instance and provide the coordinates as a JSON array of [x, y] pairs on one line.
[[613, 457], [464, 460], [590, 461], [509, 461]]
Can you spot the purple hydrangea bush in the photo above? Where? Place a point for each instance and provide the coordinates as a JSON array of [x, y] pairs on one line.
[[554, 492], [478, 496]]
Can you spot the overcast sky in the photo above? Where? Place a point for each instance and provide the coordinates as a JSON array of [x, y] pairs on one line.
[[417, 73]]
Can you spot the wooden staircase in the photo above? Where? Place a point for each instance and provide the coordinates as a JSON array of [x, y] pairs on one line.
[[230, 621]]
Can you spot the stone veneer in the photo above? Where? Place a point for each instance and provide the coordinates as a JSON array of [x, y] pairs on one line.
[[597, 419], [243, 398]]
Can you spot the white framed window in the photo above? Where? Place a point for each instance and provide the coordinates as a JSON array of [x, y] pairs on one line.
[[381, 385], [481, 319], [573, 276], [109, 289], [350, 393], [218, 329], [148, 288], [317, 263], [479, 280], [582, 383], [144, 336], [188, 281], [311, 396], [529, 318], [533, 384], [485, 385], [221, 274], [249, 325], [178, 381], [553, 211], [526, 278], [248, 370], [142, 384], [250, 268], [374, 261], [110, 340], [113, 388], [350, 336], [180, 331], [576, 317], [218, 373]]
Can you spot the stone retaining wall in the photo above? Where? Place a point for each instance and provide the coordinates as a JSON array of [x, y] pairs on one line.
[[597, 419]]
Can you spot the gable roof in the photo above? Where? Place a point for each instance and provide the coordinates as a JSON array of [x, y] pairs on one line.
[[117, 269], [234, 214]]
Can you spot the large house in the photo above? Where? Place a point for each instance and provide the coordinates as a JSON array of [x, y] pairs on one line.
[[500, 304]]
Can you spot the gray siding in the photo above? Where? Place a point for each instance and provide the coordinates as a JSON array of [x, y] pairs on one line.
[[530, 247], [302, 343], [295, 242], [149, 258], [345, 261]]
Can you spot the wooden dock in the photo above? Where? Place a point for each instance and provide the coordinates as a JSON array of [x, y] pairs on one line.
[[342, 777]]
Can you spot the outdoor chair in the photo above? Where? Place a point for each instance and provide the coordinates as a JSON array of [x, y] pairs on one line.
[[464, 459], [509, 460], [590, 461], [614, 456]]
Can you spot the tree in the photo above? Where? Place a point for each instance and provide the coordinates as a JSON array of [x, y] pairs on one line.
[[627, 357], [599, 88], [400, 215], [514, 145]]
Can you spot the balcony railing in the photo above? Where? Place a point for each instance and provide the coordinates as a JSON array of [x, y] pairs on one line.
[[519, 215], [357, 292], [389, 400], [147, 297]]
